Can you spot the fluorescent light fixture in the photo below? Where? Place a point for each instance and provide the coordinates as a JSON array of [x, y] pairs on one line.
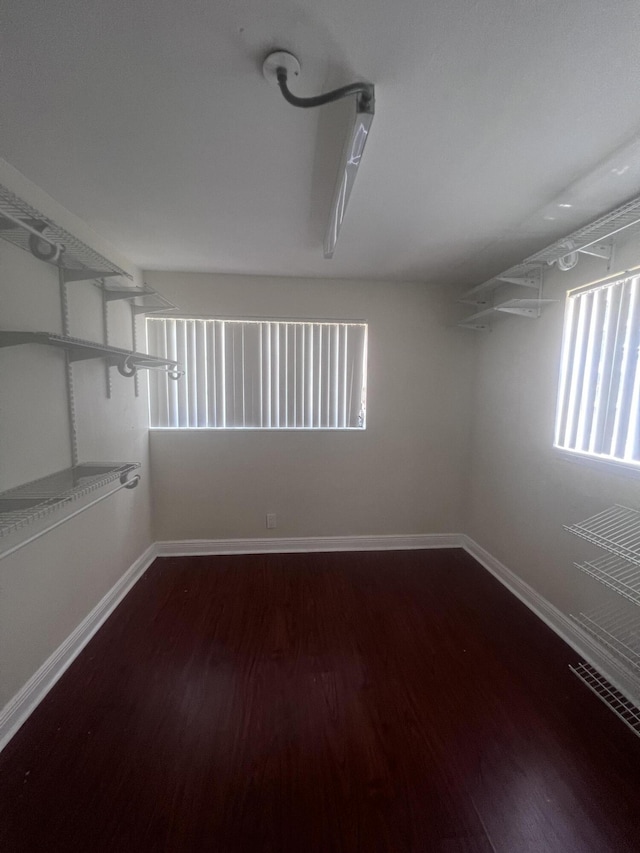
[[349, 163], [278, 67]]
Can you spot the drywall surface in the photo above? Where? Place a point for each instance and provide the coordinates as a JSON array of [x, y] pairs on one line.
[[47, 587], [403, 474], [522, 491]]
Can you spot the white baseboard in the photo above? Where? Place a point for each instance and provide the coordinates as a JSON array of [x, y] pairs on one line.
[[562, 625], [210, 547], [14, 714]]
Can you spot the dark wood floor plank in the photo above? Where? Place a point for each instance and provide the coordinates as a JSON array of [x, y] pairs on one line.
[[396, 701]]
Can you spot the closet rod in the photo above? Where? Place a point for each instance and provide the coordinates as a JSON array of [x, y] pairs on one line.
[[129, 484]]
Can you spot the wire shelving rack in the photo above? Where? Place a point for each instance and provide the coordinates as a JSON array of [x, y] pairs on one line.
[[620, 575], [617, 630], [29, 229], [613, 698], [616, 530], [615, 627], [32, 501], [26, 227], [596, 239]]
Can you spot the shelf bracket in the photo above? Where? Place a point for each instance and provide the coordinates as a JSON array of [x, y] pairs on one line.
[[125, 293], [86, 274], [598, 250], [528, 279]]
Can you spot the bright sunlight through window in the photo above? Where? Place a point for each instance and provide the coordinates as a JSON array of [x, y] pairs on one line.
[[599, 392], [259, 374]]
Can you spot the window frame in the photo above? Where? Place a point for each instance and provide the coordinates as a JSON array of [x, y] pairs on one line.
[[289, 321]]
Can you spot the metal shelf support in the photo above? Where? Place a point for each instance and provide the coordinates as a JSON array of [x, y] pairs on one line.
[[531, 278]]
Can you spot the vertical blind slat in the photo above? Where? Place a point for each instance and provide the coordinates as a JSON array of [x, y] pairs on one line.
[[252, 358], [615, 375], [203, 374], [171, 342], [583, 320], [291, 375], [309, 385], [632, 448], [300, 374], [603, 370], [566, 369], [627, 378], [589, 377], [275, 374], [192, 374], [212, 407]]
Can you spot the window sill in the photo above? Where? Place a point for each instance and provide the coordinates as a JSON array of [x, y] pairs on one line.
[[602, 464], [257, 429]]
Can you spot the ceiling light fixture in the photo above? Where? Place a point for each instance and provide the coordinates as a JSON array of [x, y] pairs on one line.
[[278, 67]]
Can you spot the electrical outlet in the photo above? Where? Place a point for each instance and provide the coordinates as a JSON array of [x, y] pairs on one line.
[[271, 520]]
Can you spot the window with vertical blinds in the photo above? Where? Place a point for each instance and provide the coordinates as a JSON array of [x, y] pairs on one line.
[[599, 392], [259, 374]]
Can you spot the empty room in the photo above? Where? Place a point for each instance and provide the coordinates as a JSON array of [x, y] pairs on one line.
[[320, 426]]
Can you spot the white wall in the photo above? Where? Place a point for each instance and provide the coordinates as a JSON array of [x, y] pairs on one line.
[[48, 587], [522, 491], [404, 474]]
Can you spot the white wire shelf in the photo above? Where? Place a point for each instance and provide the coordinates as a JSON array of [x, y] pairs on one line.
[[26, 227], [531, 308], [616, 530], [524, 275], [616, 701], [127, 361], [617, 630], [617, 574], [25, 504], [589, 236], [592, 239], [144, 299]]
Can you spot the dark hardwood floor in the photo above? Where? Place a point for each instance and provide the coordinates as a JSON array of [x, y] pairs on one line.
[[397, 701]]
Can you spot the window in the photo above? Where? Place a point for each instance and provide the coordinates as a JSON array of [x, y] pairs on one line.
[[259, 374], [599, 393]]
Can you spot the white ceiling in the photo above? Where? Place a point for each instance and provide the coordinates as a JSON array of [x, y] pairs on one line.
[[152, 122]]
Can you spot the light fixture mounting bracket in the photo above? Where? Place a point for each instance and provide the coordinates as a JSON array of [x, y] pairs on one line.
[[280, 59]]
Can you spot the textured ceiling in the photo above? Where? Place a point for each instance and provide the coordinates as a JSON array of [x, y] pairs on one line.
[[152, 122]]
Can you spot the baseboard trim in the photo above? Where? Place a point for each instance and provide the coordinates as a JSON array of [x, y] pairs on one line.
[[18, 709], [212, 547], [562, 625]]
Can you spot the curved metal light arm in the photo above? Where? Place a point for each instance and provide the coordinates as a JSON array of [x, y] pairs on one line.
[[364, 90]]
